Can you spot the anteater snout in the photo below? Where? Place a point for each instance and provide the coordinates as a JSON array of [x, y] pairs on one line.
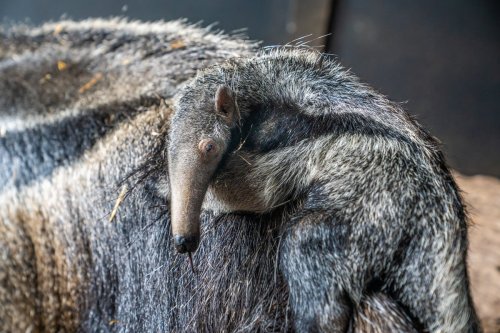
[[186, 244]]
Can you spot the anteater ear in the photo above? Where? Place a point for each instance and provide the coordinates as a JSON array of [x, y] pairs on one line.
[[225, 105]]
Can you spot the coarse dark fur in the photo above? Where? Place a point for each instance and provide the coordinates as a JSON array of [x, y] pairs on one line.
[[84, 217]]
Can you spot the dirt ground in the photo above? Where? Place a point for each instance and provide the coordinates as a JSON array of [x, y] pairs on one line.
[[482, 195]]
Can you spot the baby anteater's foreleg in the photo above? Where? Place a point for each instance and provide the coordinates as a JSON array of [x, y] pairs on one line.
[[314, 262]]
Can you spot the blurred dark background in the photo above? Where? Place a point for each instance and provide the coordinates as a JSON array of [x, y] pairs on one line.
[[441, 58]]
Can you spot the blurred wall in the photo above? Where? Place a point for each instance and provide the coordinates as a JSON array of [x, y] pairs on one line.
[[442, 58]]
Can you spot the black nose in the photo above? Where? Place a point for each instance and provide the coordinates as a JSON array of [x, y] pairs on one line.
[[186, 244]]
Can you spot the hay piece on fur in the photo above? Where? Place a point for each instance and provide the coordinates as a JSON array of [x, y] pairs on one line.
[[118, 202], [177, 44], [58, 29], [92, 82], [61, 65]]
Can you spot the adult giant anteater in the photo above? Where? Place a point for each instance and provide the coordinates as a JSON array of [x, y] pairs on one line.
[[323, 206]]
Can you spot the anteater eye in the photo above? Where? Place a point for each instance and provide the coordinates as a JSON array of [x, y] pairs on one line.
[[208, 148]]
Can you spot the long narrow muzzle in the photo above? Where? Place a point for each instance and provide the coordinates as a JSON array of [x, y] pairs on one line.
[[186, 210], [188, 193]]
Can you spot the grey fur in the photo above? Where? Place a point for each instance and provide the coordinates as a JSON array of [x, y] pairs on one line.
[[370, 203], [72, 141]]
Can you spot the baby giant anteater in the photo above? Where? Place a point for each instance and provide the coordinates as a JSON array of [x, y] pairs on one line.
[[323, 206], [370, 203]]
